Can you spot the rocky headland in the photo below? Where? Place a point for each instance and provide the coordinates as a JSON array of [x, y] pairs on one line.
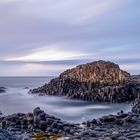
[[99, 81]]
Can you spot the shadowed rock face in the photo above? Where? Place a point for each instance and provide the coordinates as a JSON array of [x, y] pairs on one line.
[[136, 106], [97, 81]]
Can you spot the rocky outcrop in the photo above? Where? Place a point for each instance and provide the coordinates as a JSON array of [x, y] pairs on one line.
[[2, 89], [37, 121], [97, 81], [123, 126]]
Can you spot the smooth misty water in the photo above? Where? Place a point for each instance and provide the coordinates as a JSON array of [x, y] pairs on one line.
[[16, 99]]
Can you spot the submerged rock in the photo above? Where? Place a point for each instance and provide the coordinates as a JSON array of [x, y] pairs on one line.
[[2, 89], [97, 81]]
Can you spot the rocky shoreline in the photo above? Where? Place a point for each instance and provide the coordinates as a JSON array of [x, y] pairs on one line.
[[38, 124]]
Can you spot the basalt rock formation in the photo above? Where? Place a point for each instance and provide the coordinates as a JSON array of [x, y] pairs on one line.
[[38, 125], [35, 121], [97, 81]]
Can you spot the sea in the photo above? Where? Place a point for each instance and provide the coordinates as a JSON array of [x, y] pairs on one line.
[[17, 99]]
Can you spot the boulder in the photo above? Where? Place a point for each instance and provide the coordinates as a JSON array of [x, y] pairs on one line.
[[2, 89]]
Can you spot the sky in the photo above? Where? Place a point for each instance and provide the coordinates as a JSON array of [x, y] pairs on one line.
[[46, 37]]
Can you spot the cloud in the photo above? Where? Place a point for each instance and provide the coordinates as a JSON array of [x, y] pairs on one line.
[[49, 53], [96, 10], [67, 33]]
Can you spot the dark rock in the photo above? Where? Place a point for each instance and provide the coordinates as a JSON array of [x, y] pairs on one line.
[[37, 111], [26, 88], [2, 89], [94, 121], [36, 121], [5, 135], [136, 106], [43, 125], [108, 119], [119, 121], [24, 123], [3, 124]]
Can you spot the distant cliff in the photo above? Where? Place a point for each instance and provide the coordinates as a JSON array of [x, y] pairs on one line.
[[97, 81]]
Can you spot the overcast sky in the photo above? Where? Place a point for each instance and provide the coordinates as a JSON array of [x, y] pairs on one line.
[[45, 37]]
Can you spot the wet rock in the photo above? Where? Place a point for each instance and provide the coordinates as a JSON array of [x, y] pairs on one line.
[[3, 124], [136, 106], [26, 88], [122, 138], [24, 123], [43, 125], [36, 121], [2, 89], [30, 118], [5, 135], [108, 119], [37, 111], [114, 127]]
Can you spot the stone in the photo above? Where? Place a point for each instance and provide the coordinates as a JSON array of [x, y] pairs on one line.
[[24, 123], [42, 125], [5, 135], [119, 122], [36, 121], [37, 111], [2, 89], [3, 124], [136, 106], [122, 138], [108, 119]]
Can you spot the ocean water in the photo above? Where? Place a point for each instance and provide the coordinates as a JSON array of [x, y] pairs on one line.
[[16, 99]]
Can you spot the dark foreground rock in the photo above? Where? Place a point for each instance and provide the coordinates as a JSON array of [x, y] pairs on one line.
[[97, 81], [2, 89], [136, 106], [5, 135], [39, 125], [123, 126], [36, 122]]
